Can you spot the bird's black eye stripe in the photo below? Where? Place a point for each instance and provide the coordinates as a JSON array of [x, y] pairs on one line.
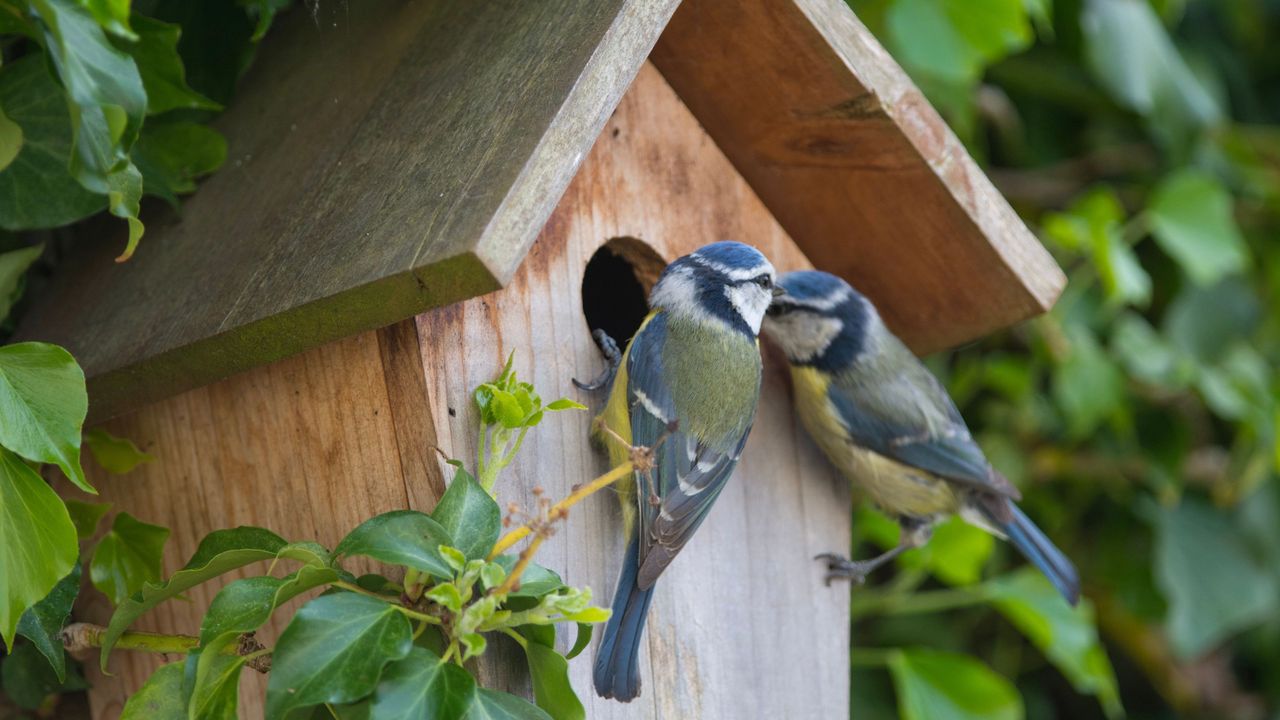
[[777, 309], [763, 281]]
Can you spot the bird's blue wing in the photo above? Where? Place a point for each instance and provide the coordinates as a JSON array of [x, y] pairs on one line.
[[674, 497], [910, 418]]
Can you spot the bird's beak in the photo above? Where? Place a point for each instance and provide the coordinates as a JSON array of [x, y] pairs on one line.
[[779, 291]]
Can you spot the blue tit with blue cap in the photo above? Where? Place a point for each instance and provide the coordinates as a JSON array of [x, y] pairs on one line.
[[684, 395], [889, 426]]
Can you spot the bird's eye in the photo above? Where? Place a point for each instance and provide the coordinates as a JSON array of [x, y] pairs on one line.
[[763, 281]]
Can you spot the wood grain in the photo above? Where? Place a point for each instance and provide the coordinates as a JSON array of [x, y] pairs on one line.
[[385, 157], [733, 612], [308, 447], [857, 166]]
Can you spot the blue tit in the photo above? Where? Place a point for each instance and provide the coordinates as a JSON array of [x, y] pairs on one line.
[[685, 389], [889, 426]]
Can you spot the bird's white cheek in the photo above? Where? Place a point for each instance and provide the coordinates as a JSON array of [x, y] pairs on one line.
[[750, 301]]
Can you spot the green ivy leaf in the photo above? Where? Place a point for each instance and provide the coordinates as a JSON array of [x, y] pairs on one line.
[[36, 189], [28, 679], [565, 404], [215, 691], [954, 40], [446, 594], [265, 11], [493, 705], [580, 642], [308, 552], [42, 622], [1206, 322], [492, 575], [127, 557], [506, 409], [116, 455], [13, 269], [1214, 584], [957, 552], [107, 102], [245, 605], [423, 686], [43, 402], [160, 697], [156, 53], [473, 645], [219, 552], [1146, 355], [86, 516], [1192, 218], [333, 651], [10, 140], [172, 155], [112, 15], [469, 515], [549, 671], [936, 685], [1129, 50], [536, 581], [401, 537], [37, 541], [1066, 635]]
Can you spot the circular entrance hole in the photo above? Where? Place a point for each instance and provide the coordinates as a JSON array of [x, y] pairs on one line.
[[616, 285]]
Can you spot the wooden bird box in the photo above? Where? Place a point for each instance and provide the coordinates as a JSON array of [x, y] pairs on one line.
[[417, 189]]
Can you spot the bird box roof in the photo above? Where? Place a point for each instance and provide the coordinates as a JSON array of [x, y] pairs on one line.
[[405, 156]]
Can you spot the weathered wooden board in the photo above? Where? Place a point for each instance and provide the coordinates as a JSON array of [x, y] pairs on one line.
[[856, 165], [385, 157], [741, 625], [308, 447], [311, 445]]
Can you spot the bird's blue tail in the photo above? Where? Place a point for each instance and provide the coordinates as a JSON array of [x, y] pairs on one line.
[[1038, 549], [617, 671]]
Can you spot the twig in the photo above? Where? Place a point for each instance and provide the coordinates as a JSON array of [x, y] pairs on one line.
[[559, 509], [526, 556], [77, 638]]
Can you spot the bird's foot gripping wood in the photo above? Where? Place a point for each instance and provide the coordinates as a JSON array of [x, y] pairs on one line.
[[609, 348], [855, 571]]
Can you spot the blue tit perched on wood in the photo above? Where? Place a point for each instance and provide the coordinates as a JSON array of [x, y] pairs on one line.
[[889, 426], [686, 389]]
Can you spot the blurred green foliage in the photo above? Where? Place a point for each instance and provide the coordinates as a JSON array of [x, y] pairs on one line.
[[1141, 140]]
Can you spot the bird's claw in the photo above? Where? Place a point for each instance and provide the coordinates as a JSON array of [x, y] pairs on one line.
[[609, 348], [842, 568]]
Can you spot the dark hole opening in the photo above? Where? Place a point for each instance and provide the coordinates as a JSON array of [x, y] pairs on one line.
[[616, 284]]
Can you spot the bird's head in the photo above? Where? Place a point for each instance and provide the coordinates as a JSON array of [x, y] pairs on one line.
[[820, 320], [726, 283]]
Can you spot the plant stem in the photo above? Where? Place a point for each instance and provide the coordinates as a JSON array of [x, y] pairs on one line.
[[870, 657], [513, 579], [431, 619], [516, 636], [572, 499], [412, 587], [926, 602], [78, 637]]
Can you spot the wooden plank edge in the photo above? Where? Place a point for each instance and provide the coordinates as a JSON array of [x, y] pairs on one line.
[[537, 190], [369, 307], [931, 137]]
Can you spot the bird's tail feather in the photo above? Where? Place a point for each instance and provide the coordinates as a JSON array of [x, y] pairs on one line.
[[1040, 551], [617, 670]]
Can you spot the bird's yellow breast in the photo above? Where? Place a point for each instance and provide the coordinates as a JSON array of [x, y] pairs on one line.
[[896, 488]]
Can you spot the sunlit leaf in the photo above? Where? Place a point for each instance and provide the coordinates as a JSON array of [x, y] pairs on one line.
[[37, 541], [333, 651], [1087, 385], [215, 693], [1066, 635], [127, 557], [43, 402], [936, 685]]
